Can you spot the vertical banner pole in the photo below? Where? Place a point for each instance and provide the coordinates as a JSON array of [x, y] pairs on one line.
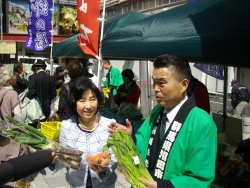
[[51, 44], [1, 12], [100, 47]]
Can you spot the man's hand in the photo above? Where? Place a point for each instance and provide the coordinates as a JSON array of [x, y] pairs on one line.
[[54, 156], [113, 126], [97, 168], [60, 81], [149, 184]]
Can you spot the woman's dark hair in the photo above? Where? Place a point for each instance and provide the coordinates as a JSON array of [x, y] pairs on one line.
[[17, 66], [81, 85], [74, 70], [128, 73], [177, 64]]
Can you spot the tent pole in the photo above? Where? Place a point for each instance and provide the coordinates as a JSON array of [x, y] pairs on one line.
[[100, 47], [224, 116], [51, 44]]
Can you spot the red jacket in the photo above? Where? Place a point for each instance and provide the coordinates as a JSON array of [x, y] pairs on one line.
[[132, 97]]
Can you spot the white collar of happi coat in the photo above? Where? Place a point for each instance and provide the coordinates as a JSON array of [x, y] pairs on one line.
[[172, 113]]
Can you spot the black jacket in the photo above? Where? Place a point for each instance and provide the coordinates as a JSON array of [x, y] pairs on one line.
[[239, 93], [21, 84], [56, 80], [42, 86]]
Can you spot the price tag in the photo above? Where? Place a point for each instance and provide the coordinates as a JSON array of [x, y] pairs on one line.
[[136, 160]]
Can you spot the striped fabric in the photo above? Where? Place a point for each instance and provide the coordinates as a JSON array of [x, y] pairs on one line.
[[71, 136]]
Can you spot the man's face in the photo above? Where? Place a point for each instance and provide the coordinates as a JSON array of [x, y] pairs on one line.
[[106, 65], [168, 91], [59, 74]]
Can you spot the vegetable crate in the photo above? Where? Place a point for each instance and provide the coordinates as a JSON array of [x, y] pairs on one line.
[[111, 113], [51, 129], [136, 125]]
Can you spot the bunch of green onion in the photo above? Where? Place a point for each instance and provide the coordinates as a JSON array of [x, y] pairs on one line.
[[127, 155], [30, 136]]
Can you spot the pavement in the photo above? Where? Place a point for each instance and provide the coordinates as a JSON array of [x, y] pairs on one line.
[[44, 179]]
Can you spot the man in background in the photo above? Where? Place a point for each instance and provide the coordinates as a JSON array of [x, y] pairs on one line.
[[113, 80], [42, 86], [240, 98]]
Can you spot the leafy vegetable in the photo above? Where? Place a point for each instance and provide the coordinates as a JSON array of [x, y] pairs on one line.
[[125, 151], [128, 109], [30, 136]]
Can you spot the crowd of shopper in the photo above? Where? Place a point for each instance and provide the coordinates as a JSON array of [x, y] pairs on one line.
[[177, 141]]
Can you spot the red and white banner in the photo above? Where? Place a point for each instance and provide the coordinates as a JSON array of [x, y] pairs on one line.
[[88, 11]]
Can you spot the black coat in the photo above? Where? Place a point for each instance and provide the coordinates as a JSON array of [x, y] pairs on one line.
[[42, 86], [21, 84]]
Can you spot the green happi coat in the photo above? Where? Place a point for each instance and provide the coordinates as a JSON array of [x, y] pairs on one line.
[[115, 79], [191, 161]]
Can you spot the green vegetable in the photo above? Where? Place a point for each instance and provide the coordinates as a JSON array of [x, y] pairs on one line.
[[125, 150], [30, 136]]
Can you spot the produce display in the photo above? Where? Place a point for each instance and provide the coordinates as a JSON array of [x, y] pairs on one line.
[[231, 171], [127, 155], [30, 136], [126, 109]]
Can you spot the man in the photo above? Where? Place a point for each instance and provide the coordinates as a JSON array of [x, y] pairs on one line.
[[21, 82], [179, 148], [42, 86], [200, 93], [113, 80], [59, 77], [240, 98]]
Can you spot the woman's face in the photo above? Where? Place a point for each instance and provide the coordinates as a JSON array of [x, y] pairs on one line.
[[87, 105], [125, 79]]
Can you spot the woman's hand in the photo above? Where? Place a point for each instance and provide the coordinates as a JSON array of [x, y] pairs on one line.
[[113, 126], [149, 184], [97, 168], [122, 94]]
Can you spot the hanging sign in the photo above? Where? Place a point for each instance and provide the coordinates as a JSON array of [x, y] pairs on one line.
[[88, 11], [39, 25], [215, 71], [7, 47]]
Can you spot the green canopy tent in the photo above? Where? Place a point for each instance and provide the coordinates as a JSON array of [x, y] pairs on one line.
[[70, 47], [212, 31]]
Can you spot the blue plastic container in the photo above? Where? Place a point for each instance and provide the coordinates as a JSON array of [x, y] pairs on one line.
[[111, 113], [137, 125]]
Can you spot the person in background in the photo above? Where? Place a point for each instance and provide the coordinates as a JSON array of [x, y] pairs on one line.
[[129, 91], [200, 93], [59, 77], [33, 71], [10, 106], [240, 96], [42, 86], [74, 71], [21, 82], [112, 81], [178, 141], [86, 130]]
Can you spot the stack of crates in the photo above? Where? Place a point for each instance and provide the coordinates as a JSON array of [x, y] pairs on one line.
[[51, 129]]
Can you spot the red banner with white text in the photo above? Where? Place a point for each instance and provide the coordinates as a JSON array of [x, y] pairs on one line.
[[88, 11]]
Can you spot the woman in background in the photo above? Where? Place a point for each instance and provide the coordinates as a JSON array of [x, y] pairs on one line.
[[10, 106], [129, 91]]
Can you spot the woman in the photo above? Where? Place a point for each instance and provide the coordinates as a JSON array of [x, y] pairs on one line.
[[10, 106], [21, 82], [129, 91], [86, 130], [74, 71]]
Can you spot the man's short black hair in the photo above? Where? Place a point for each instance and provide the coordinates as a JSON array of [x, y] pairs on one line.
[[81, 85], [177, 64]]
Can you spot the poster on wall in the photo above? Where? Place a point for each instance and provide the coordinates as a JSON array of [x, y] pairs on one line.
[[68, 24], [19, 14]]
